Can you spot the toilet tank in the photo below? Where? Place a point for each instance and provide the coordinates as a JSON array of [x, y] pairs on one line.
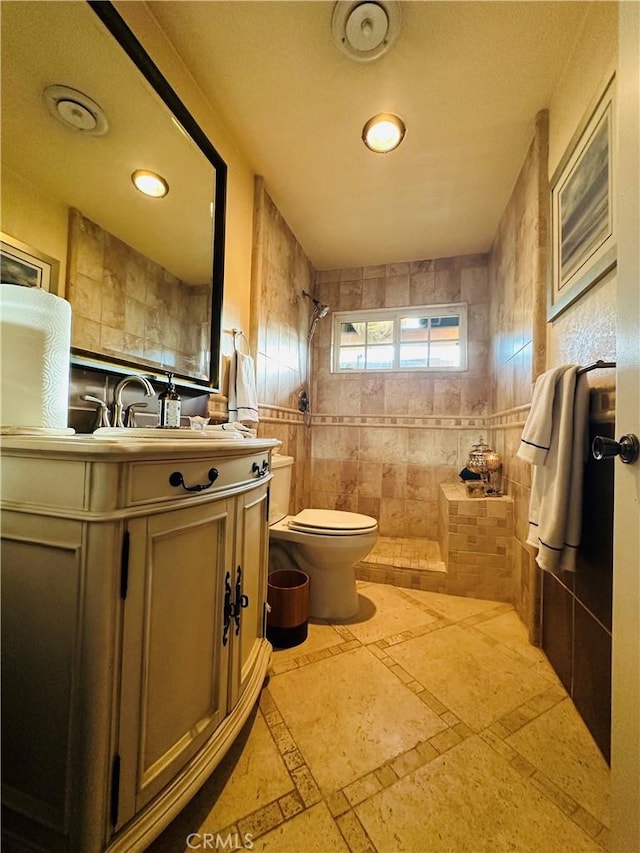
[[280, 487]]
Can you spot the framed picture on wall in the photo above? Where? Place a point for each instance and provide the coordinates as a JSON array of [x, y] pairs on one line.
[[22, 264], [583, 234]]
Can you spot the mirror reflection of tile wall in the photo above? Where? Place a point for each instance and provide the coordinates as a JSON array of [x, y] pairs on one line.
[[126, 306]]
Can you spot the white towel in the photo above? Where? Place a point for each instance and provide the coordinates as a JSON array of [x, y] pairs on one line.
[[243, 397], [536, 435], [234, 430], [554, 441]]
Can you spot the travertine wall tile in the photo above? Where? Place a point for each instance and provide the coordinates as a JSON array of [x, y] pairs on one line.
[[517, 275], [124, 303]]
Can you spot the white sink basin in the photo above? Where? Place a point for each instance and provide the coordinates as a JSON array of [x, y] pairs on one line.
[[144, 433]]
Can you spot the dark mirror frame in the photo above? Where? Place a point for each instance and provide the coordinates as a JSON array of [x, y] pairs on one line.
[[132, 47]]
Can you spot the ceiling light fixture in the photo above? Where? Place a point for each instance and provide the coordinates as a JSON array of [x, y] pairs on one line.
[[383, 133], [150, 183]]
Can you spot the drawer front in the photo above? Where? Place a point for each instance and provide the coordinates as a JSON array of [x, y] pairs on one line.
[[150, 482]]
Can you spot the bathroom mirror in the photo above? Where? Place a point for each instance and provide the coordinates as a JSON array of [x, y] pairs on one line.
[[144, 275]]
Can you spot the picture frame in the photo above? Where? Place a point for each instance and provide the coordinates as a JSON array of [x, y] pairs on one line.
[[583, 228], [23, 265]]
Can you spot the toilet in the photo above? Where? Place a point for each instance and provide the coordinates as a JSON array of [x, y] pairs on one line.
[[326, 544]]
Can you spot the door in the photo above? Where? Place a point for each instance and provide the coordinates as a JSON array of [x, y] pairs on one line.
[[174, 663], [625, 743], [247, 627]]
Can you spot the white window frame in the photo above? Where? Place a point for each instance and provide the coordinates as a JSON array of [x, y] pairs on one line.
[[374, 315]]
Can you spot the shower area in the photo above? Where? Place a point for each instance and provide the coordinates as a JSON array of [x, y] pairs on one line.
[[381, 444], [388, 444], [318, 312]]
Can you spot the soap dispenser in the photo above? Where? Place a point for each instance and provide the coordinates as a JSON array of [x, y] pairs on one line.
[[169, 406]]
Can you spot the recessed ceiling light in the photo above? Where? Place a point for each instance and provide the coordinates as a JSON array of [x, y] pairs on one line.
[[383, 133], [150, 183]]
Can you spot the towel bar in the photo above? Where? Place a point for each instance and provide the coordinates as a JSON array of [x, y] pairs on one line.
[[597, 365]]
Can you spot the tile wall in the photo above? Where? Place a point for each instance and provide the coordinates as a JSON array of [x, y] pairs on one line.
[[517, 275], [476, 543], [126, 305], [280, 317], [382, 444]]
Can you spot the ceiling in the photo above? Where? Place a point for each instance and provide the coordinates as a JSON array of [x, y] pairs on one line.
[[467, 78], [45, 43]]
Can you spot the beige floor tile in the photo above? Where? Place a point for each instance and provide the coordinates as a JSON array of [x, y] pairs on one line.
[[475, 680], [349, 714], [313, 831], [258, 777], [250, 776], [384, 611], [509, 631], [467, 801], [559, 745], [452, 607], [320, 635], [350, 717]]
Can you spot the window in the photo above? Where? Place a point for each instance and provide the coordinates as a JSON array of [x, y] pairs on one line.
[[427, 337]]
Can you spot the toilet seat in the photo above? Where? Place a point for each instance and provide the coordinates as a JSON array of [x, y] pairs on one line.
[[332, 522]]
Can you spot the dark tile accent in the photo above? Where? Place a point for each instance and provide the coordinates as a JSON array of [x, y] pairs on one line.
[[576, 608], [592, 677], [557, 627], [594, 571]]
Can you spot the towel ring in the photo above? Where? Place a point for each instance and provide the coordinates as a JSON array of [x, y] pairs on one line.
[[238, 333]]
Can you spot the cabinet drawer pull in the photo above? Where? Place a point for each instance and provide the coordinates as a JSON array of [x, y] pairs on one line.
[[258, 471], [176, 479]]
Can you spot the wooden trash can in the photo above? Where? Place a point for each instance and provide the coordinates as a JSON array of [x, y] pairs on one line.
[[288, 598]]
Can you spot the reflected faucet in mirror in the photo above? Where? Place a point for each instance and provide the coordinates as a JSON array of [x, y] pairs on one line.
[[103, 416], [118, 405]]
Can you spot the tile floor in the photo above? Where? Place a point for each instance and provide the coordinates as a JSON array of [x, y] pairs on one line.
[[407, 554], [426, 723]]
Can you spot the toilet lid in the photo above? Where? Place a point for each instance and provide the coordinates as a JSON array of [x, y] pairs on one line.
[[332, 521]]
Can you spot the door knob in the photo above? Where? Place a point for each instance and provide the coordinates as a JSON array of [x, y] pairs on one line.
[[627, 448]]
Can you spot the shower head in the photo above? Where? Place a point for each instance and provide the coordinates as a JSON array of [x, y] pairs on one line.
[[320, 310]]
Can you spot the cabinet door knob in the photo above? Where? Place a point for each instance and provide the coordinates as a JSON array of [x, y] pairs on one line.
[[627, 448]]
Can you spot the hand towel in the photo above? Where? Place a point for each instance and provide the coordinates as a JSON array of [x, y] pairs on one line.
[[536, 435], [243, 397], [234, 430], [555, 442]]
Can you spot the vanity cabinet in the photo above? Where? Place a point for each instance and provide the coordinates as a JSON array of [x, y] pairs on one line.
[[133, 630]]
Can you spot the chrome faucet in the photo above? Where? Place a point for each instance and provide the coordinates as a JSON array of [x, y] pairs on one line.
[[118, 405]]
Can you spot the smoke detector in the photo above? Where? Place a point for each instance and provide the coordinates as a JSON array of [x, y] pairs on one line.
[[364, 31], [76, 110]]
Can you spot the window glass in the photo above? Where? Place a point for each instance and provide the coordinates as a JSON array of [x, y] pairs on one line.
[[414, 355], [428, 337], [352, 333], [380, 333], [352, 358], [444, 354], [380, 357], [414, 329]]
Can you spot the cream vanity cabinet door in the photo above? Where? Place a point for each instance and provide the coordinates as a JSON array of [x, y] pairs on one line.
[[175, 667], [248, 622], [59, 629]]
